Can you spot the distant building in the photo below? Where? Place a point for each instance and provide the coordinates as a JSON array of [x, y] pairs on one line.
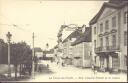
[[48, 55], [109, 36], [59, 46], [38, 52], [82, 49], [67, 47]]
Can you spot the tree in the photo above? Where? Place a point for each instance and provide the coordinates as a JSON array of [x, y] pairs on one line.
[[20, 55], [3, 52]]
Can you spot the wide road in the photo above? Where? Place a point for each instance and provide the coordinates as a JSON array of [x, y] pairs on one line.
[[57, 73]]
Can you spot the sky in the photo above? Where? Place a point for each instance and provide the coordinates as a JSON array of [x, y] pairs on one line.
[[44, 18]]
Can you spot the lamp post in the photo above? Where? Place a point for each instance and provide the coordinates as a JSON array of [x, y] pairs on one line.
[[33, 58], [9, 35]]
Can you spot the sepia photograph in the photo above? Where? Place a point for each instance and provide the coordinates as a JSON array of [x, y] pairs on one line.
[[63, 40]]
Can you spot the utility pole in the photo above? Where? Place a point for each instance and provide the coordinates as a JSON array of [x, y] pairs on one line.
[[33, 56], [9, 39]]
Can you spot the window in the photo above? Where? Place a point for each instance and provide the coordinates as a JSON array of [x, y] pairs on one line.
[[126, 60], [107, 41], [94, 43], [125, 38], [101, 62], [94, 30], [107, 25], [95, 59], [114, 21], [125, 17], [114, 40], [101, 42], [101, 27]]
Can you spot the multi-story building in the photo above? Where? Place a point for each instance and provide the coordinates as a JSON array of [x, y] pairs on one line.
[[67, 47], [109, 36], [59, 46], [82, 49]]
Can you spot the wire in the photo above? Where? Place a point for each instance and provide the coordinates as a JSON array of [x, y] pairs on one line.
[[12, 24], [5, 24]]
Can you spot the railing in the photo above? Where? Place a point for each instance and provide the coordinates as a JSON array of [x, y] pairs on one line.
[[98, 49], [113, 48], [106, 49]]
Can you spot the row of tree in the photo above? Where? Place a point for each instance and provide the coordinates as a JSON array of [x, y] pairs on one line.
[[21, 55]]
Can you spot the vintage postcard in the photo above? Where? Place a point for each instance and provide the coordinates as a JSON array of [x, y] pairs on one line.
[[63, 40]]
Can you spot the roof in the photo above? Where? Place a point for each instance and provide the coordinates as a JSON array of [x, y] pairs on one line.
[[86, 37], [116, 1], [116, 4], [37, 49], [74, 34]]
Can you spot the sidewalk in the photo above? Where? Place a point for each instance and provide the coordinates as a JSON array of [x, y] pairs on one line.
[[4, 74]]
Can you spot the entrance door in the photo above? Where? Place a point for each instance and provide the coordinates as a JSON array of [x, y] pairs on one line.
[[107, 64], [115, 61], [101, 61]]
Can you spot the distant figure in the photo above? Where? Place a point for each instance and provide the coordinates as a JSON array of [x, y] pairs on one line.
[[57, 62], [103, 68], [94, 68], [62, 64], [40, 68], [47, 65], [30, 69]]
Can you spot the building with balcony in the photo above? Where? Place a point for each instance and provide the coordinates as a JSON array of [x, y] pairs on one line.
[[109, 36], [82, 49]]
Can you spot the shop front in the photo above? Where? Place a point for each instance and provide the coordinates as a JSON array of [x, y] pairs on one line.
[[114, 62], [108, 61]]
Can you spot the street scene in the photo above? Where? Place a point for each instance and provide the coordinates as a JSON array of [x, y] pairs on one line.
[[63, 41]]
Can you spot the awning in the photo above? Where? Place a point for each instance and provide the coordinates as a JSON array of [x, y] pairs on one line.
[[114, 54], [103, 54]]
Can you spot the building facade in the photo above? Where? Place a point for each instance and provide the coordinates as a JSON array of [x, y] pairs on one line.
[[67, 47], [109, 36], [82, 49]]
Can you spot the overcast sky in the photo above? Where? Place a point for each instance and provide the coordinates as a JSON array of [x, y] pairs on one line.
[[44, 18]]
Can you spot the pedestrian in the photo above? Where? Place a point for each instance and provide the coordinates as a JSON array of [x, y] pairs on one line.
[[103, 68], [40, 68], [30, 69], [57, 62], [94, 68], [62, 64], [47, 65]]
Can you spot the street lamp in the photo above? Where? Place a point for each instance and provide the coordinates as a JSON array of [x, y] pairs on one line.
[[9, 35]]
